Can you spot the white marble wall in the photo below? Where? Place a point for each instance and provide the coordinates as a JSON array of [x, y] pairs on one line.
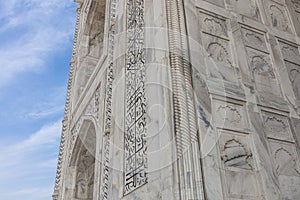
[[244, 57]]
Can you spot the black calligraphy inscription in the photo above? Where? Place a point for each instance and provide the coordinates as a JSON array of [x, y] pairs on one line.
[[135, 107]]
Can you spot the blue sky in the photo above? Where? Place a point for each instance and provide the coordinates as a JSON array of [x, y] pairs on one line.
[[36, 38]]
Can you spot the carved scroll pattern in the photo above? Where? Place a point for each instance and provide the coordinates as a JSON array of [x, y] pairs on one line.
[[135, 102], [106, 170], [63, 142]]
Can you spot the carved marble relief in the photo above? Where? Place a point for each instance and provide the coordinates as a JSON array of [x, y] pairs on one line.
[[260, 63], [254, 39], [135, 105], [286, 167], [239, 166], [219, 63], [85, 176], [217, 46], [285, 158], [218, 51], [229, 115], [291, 58], [213, 25], [290, 52], [94, 105], [83, 161], [277, 126], [74, 133], [294, 75], [105, 192], [83, 75], [247, 8], [236, 155], [279, 17], [296, 4], [95, 27]]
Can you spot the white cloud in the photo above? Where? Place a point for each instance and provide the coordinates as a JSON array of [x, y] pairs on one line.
[[49, 105], [47, 135], [29, 162], [37, 28]]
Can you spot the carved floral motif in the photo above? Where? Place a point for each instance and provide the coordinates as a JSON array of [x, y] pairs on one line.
[[214, 26], [235, 154], [219, 53], [230, 114], [260, 64]]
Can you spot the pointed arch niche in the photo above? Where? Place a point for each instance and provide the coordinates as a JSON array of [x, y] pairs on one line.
[[82, 164]]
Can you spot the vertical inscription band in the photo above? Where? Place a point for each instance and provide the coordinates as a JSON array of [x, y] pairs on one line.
[[135, 174]]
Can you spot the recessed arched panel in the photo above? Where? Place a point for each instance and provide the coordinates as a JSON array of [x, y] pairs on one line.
[[91, 44], [82, 163], [94, 28]]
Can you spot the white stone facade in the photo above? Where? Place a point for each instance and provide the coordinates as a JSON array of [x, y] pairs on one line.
[[182, 99]]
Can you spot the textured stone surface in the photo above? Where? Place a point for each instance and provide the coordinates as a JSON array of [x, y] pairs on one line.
[[183, 99]]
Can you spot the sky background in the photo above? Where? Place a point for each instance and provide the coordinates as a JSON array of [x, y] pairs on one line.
[[36, 38]]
